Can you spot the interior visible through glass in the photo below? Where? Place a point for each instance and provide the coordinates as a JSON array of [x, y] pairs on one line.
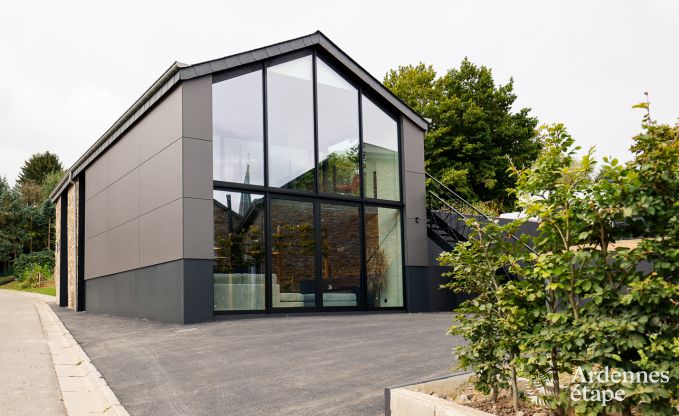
[[384, 259], [380, 150], [293, 259], [290, 114], [238, 129], [341, 247], [299, 251], [337, 132], [240, 251]]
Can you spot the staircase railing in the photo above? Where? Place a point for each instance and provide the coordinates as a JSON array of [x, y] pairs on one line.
[[447, 221], [449, 207]]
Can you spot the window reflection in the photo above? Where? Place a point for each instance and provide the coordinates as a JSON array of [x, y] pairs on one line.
[[341, 247], [290, 116], [380, 150], [238, 137], [240, 265], [337, 132], [384, 257], [293, 254], [240, 250]]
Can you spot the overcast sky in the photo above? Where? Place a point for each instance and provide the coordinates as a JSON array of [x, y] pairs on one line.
[[69, 69]]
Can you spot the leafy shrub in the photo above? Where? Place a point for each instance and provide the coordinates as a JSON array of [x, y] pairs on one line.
[[37, 275], [25, 262], [579, 302]]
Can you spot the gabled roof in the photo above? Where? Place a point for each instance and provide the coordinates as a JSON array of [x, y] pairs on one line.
[[180, 72]]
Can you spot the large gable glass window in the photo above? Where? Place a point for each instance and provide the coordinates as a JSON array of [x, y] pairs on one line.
[[380, 151], [307, 198], [238, 131], [337, 133], [290, 113]]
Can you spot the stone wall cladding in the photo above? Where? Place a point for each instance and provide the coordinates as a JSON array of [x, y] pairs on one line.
[[72, 244], [57, 246]]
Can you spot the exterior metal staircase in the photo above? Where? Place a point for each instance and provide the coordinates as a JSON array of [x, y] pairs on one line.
[[447, 213]]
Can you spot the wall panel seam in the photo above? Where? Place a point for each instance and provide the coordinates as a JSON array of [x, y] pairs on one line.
[[197, 138], [141, 162], [160, 206]]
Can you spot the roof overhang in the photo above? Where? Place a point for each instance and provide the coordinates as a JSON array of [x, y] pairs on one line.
[[178, 72]]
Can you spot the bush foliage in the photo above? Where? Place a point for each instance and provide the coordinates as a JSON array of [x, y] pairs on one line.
[[26, 262], [567, 298], [37, 275]]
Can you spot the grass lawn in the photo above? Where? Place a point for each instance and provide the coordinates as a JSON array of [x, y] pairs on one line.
[[14, 285]]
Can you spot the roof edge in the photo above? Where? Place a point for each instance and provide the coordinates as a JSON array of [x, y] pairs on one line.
[[137, 107], [178, 72]]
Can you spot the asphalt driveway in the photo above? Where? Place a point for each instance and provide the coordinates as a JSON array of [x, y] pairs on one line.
[[335, 364]]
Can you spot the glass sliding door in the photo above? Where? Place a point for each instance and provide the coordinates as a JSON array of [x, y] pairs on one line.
[[240, 251], [293, 254], [341, 255], [384, 257]]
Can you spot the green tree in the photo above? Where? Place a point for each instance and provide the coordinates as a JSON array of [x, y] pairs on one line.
[[36, 169], [485, 267], [12, 229], [473, 127], [50, 183], [580, 301]]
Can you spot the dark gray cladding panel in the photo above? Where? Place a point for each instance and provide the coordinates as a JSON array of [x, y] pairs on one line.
[[178, 291], [198, 291], [417, 290], [424, 291], [414, 192]]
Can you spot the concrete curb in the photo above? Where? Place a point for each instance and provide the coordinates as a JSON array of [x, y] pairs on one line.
[[83, 389]]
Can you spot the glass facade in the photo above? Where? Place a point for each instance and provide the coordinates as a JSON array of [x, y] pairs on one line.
[[337, 133], [238, 130], [384, 258], [290, 116], [380, 153], [240, 250], [307, 208], [293, 254], [341, 258]]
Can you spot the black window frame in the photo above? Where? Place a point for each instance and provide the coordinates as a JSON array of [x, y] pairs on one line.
[[317, 197]]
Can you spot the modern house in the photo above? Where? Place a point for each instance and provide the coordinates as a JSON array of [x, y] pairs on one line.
[[281, 179]]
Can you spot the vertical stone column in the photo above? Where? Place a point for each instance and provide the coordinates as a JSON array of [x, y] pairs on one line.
[[72, 244], [57, 246]]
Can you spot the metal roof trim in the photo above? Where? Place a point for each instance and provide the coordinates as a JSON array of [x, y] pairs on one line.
[[179, 72]]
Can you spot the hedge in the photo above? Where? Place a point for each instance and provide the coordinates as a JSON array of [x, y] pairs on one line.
[[25, 261]]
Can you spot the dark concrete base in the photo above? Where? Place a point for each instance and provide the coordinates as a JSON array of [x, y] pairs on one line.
[[424, 290], [179, 291]]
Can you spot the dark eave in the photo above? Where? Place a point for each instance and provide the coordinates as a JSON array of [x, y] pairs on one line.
[[179, 72]]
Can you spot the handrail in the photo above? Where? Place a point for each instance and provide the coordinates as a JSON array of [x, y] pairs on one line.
[[448, 205], [465, 202], [455, 194]]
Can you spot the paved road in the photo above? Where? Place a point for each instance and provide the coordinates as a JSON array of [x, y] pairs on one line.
[[299, 365], [28, 382]]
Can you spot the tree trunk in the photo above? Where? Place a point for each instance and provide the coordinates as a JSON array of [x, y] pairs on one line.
[[515, 388], [626, 410], [555, 379]]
